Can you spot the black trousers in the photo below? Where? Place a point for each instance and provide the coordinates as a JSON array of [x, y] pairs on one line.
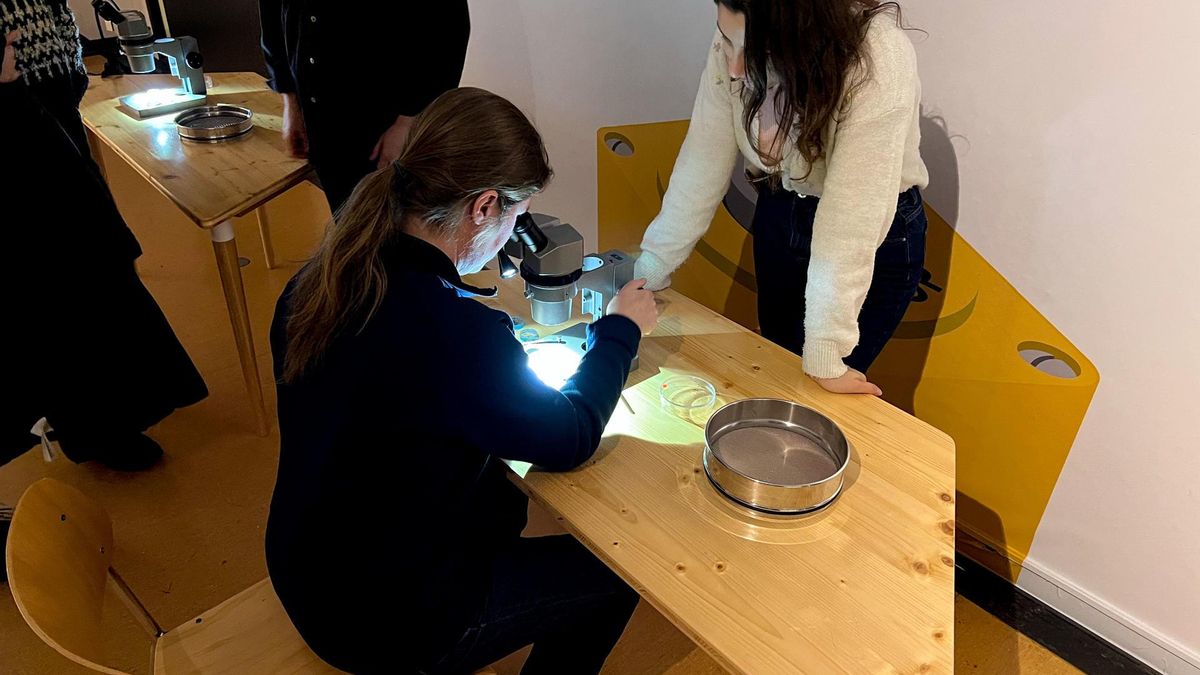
[[340, 173], [550, 592], [783, 229], [100, 362]]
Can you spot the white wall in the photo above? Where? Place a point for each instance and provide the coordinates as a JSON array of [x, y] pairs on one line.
[[577, 66], [1078, 153]]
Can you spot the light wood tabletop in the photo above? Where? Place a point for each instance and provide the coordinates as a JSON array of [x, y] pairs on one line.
[[865, 586], [212, 183]]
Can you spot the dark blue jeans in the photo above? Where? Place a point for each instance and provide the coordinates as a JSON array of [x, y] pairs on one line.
[[550, 592], [783, 229]]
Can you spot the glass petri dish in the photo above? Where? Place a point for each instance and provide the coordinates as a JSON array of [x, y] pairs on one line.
[[686, 395]]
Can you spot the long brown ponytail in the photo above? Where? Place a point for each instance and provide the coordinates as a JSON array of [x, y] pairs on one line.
[[466, 142]]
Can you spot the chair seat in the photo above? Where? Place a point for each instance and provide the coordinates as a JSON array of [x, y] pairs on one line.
[[248, 633]]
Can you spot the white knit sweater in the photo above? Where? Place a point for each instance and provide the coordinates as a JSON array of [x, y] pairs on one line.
[[872, 155]]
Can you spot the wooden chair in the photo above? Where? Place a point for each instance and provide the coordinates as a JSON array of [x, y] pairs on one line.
[[59, 561]]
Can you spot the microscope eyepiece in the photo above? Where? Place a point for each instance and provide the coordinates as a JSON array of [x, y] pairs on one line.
[[527, 232], [108, 11]]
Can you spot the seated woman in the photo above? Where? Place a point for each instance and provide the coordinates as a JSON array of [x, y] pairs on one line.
[[394, 534]]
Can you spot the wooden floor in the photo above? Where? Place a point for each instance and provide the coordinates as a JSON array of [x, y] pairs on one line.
[[190, 533]]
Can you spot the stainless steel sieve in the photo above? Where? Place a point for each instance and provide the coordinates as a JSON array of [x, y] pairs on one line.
[[775, 456]]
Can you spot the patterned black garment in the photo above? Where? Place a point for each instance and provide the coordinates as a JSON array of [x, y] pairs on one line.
[[86, 345], [50, 47], [49, 56]]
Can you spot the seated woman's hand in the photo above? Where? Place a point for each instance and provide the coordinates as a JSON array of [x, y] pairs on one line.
[[637, 304]]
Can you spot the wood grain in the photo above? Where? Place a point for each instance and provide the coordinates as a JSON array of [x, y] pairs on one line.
[[210, 182], [59, 549], [865, 586], [248, 633]]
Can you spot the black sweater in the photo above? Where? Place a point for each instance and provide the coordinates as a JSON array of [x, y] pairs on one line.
[[391, 496]]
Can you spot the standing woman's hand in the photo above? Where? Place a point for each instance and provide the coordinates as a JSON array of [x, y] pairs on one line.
[[8, 70], [851, 382]]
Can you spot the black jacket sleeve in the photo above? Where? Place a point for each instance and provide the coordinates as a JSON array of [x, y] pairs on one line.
[[521, 418], [279, 69]]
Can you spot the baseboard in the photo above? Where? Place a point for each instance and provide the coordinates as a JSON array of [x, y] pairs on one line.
[[1107, 622], [1092, 613]]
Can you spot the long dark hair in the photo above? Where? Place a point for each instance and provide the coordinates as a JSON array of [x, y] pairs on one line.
[[465, 143], [812, 45]]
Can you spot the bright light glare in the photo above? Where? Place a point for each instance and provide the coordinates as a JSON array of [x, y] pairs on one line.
[[554, 363], [152, 98]]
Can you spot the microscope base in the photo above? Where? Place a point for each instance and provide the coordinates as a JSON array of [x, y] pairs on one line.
[[154, 102]]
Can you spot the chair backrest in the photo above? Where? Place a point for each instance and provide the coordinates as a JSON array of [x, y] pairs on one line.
[[60, 546]]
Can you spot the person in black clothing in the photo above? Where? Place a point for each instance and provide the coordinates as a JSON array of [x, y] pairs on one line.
[[88, 348], [353, 75], [399, 394]]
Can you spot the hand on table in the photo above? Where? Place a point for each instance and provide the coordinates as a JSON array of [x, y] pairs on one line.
[[851, 382]]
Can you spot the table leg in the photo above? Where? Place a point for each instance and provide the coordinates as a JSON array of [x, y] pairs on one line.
[[235, 300], [264, 231]]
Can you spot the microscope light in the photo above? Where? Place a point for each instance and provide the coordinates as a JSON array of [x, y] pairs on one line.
[[152, 98], [553, 362], [152, 102]]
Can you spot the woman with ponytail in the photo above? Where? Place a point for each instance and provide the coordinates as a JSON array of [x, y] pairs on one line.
[[399, 394]]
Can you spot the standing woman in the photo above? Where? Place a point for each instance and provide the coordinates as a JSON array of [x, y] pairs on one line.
[[822, 98], [87, 347]]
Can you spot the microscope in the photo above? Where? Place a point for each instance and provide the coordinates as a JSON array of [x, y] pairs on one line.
[[556, 271], [138, 44]]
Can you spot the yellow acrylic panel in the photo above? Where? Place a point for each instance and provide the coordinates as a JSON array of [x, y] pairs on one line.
[[633, 168]]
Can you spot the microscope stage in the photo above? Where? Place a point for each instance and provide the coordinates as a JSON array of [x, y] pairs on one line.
[[153, 102]]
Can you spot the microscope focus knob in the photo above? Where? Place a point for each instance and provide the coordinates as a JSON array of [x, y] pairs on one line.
[[194, 60]]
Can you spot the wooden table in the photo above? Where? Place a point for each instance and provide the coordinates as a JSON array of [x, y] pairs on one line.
[[211, 183], [867, 586]]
